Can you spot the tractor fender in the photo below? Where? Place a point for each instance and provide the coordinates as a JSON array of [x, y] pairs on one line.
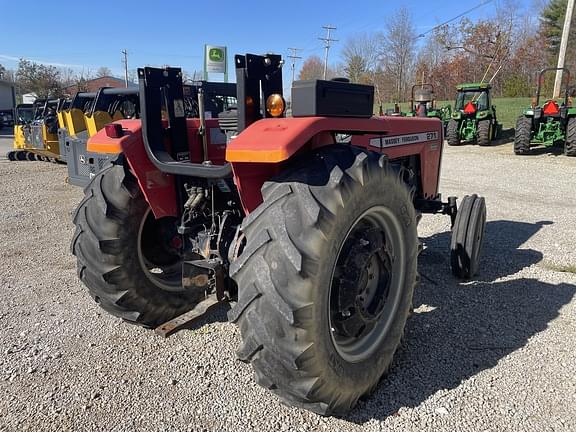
[[276, 140], [257, 153], [158, 188]]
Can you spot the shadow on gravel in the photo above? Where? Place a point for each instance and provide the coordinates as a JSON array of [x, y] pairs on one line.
[[215, 315], [501, 255], [552, 151], [466, 327], [505, 137]]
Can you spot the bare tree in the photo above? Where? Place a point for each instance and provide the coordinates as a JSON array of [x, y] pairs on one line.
[[360, 57], [397, 49], [103, 71]]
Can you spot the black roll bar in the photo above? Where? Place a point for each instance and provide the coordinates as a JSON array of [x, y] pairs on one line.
[[165, 85], [540, 81]]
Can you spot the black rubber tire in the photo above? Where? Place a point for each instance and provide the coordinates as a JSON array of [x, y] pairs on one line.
[[570, 143], [22, 155], [284, 276], [11, 155], [522, 135], [105, 244], [31, 156], [484, 133], [467, 237], [453, 133]]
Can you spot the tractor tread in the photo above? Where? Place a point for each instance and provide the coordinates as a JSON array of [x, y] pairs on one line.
[[570, 144], [453, 133], [275, 310], [104, 246], [522, 135], [484, 132]]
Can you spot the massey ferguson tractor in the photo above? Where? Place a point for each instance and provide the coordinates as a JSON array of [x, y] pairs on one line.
[[307, 225], [553, 123]]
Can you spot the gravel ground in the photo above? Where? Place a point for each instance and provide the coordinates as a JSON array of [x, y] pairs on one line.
[[496, 354]]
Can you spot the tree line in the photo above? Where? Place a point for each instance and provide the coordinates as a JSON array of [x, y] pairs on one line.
[[505, 49]]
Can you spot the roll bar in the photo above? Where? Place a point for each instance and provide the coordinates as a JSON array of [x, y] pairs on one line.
[[101, 101], [165, 85], [540, 81], [79, 100]]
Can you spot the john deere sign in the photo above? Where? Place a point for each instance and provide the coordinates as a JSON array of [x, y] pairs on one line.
[[215, 60]]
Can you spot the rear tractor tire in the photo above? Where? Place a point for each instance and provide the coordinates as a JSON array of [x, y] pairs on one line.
[[122, 254], [484, 132], [326, 278], [453, 133], [522, 135], [21, 155], [11, 155], [467, 237], [570, 144]]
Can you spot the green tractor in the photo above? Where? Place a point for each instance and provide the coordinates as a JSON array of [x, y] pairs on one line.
[[423, 104], [474, 117], [551, 124]]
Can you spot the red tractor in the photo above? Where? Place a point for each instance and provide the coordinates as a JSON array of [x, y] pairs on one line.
[[308, 225]]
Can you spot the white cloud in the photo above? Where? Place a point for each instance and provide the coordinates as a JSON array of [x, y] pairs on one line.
[[48, 63]]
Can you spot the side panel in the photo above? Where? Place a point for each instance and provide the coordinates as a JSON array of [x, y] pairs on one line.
[[158, 187], [258, 152]]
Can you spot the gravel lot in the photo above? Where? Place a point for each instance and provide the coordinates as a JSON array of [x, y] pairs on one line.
[[492, 355]]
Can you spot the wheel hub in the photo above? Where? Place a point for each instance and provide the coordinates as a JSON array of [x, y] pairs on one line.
[[363, 279]]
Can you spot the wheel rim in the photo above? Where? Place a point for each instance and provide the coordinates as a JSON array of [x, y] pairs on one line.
[[366, 284], [165, 269]]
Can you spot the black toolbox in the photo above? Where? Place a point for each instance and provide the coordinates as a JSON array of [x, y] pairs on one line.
[[331, 99]]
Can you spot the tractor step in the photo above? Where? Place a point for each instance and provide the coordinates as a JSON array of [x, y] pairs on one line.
[[181, 321]]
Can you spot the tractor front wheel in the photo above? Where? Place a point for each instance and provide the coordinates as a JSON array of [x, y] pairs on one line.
[[522, 135], [453, 133], [570, 144], [468, 236], [124, 254], [326, 278], [484, 132]]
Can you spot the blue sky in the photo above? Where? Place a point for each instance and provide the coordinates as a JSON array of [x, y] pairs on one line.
[[89, 34]]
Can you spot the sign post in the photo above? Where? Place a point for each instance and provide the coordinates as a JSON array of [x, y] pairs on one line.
[[215, 61]]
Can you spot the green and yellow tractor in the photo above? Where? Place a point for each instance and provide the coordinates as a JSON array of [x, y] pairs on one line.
[[474, 116], [553, 123]]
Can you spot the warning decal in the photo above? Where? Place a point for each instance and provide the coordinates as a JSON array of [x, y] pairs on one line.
[[391, 141]]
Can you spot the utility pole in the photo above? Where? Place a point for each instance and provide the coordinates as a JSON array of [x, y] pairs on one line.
[[125, 61], [563, 46], [327, 42], [294, 57]]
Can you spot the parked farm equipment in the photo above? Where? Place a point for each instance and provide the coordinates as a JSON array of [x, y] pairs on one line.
[[423, 104], [23, 116], [307, 224], [474, 116], [551, 124], [37, 139]]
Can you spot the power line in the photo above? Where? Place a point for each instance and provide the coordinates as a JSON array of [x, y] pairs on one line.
[[478, 6], [327, 40], [294, 57]]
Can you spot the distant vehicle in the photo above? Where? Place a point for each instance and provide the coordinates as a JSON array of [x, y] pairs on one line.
[[7, 103], [6, 119]]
